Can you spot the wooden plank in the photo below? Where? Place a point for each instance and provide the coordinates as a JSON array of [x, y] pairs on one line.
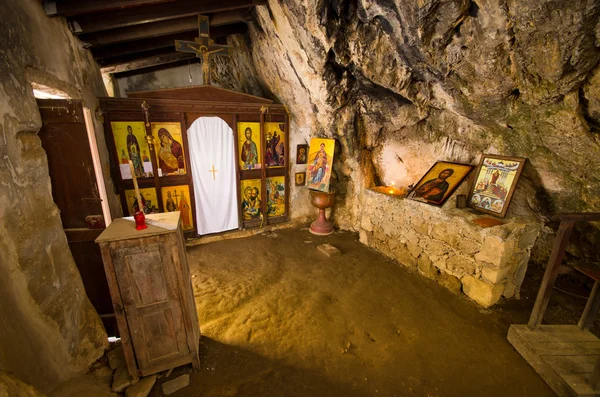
[[263, 172], [238, 171], [580, 386], [115, 294], [118, 108], [521, 344], [571, 364], [556, 333], [138, 32], [567, 348], [91, 131], [578, 217], [594, 380], [61, 111], [142, 45], [288, 191], [178, 362], [148, 62], [558, 251], [154, 13], [67, 8], [122, 228], [201, 93], [156, 29]]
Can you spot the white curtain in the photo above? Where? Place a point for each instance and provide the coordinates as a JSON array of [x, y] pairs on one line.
[[210, 142]]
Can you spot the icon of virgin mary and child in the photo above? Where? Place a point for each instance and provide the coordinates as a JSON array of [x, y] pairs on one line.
[[170, 154]]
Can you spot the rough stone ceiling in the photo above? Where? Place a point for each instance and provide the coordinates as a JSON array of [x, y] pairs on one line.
[[127, 35]]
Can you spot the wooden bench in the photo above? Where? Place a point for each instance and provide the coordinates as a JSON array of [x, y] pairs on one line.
[[566, 356]]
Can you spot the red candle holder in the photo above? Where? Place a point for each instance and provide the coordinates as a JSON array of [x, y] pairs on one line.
[[140, 220]]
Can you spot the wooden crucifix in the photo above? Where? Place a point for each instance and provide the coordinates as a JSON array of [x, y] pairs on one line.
[[203, 46]]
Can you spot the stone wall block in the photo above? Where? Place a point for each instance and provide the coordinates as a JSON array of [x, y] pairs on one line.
[[363, 237], [485, 294], [393, 243], [366, 224], [412, 236], [414, 249], [495, 250], [461, 265], [437, 248], [495, 276], [471, 233], [529, 237], [403, 255], [440, 263], [419, 225], [465, 245], [388, 228], [450, 282], [426, 268], [440, 231]]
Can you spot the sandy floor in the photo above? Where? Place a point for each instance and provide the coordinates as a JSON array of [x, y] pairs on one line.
[[280, 319]]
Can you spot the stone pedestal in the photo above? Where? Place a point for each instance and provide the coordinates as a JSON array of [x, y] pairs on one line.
[[444, 244]]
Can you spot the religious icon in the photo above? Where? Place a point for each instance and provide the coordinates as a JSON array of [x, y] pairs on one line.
[[274, 145], [169, 148], [300, 178], [177, 198], [320, 160], [275, 196], [251, 203], [149, 199], [495, 183], [130, 142], [249, 146], [301, 154], [438, 184]]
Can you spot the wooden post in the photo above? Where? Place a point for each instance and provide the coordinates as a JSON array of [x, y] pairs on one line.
[[591, 308], [237, 171], [263, 168], [558, 252], [138, 196]]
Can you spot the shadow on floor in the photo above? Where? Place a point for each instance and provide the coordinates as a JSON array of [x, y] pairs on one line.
[[230, 371]]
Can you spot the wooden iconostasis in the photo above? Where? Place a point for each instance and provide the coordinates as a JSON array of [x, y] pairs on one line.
[[156, 141]]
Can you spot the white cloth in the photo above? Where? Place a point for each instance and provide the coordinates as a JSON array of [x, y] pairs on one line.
[[210, 142]]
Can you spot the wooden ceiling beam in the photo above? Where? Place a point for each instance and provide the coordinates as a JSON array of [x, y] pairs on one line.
[[156, 29], [154, 13], [69, 8], [137, 46], [104, 54], [149, 62]]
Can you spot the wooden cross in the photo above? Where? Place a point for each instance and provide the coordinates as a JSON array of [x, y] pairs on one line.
[[213, 172], [203, 46]]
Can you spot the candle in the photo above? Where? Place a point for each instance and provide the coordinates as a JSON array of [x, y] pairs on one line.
[[135, 186]]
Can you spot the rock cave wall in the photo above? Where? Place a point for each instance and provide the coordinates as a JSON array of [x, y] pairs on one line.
[[402, 84], [50, 330]]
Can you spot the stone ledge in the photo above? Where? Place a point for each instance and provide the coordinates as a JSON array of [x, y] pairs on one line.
[[490, 262]]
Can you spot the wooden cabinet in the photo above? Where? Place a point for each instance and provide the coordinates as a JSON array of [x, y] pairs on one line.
[[152, 294]]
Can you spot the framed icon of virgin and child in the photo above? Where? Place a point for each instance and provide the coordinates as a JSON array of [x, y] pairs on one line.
[[168, 141]]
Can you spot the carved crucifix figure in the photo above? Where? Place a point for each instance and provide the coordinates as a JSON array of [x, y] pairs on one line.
[[203, 46]]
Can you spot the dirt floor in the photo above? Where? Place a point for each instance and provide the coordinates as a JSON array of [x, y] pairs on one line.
[[280, 319]]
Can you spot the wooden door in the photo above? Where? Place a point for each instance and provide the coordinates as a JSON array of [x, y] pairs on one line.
[[146, 271], [75, 192]]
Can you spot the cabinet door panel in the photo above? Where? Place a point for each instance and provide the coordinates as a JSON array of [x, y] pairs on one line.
[[149, 289]]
